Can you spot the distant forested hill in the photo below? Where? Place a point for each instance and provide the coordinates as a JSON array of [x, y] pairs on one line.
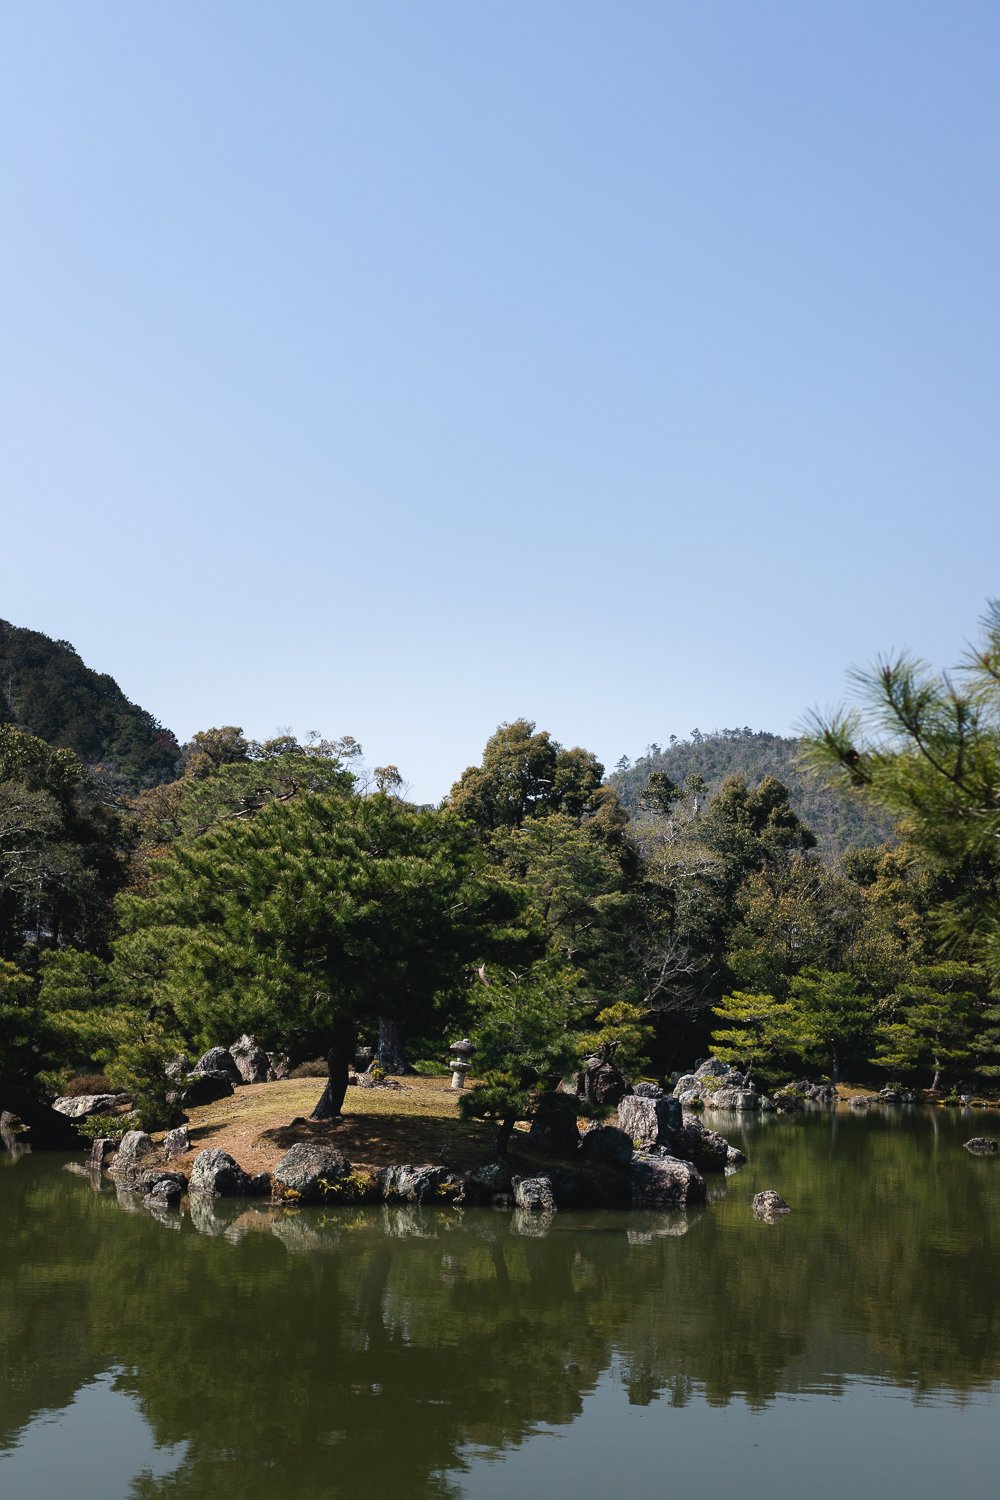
[[839, 821], [47, 690]]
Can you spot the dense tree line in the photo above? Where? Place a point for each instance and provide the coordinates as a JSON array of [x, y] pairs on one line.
[[279, 888]]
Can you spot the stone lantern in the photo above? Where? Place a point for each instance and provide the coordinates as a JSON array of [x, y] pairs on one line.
[[459, 1062]]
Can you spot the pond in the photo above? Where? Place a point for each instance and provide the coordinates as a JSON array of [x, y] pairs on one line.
[[854, 1344]]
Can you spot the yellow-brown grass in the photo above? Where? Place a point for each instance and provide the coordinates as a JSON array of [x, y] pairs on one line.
[[417, 1123]]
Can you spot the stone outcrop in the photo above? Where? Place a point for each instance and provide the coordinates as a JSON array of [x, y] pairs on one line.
[[606, 1146], [715, 1085], [488, 1185], [79, 1106], [735, 1100], [705, 1149], [534, 1195], [132, 1156], [219, 1060], [663, 1181], [100, 1150], [214, 1174], [311, 1174], [600, 1082], [206, 1088], [404, 1184], [647, 1122], [252, 1062], [176, 1143]]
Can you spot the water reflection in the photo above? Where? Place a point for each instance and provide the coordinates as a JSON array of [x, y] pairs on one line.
[[369, 1352]]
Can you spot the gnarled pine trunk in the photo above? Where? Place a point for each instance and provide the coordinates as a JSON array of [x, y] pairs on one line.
[[390, 1054], [339, 1062]]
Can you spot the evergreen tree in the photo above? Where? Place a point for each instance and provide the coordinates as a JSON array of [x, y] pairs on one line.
[[309, 919], [932, 1022], [926, 748]]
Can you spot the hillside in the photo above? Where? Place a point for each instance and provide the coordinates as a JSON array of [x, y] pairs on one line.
[[839, 821], [47, 690]]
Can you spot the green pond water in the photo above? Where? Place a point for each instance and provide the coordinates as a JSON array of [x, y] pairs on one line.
[[852, 1346]]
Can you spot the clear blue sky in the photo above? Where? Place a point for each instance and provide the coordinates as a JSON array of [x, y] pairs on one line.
[[397, 369]]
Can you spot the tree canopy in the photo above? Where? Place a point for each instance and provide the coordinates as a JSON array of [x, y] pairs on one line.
[[312, 917]]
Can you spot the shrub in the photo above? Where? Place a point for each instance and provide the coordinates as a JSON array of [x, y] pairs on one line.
[[88, 1083], [315, 1069], [94, 1127]]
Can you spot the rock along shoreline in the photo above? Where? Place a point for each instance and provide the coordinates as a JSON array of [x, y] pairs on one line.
[[654, 1156]]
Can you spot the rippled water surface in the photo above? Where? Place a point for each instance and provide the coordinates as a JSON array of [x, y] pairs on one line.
[[395, 1353]]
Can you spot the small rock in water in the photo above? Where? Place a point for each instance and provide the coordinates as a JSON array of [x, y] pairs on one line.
[[768, 1204], [982, 1145], [167, 1193]]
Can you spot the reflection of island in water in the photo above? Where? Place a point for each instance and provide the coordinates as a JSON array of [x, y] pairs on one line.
[[360, 1352]]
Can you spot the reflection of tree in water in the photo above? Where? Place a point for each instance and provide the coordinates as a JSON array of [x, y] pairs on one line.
[[365, 1351], [45, 1279]]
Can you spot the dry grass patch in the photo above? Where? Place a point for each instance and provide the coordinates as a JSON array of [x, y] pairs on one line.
[[417, 1123]]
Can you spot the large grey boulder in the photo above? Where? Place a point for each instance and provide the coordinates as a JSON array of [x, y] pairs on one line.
[[606, 1146], [736, 1100], [176, 1143], [600, 1081], [206, 1088], [79, 1106], [705, 1149], [406, 1184], [664, 1182], [310, 1174], [214, 1174], [648, 1090], [488, 1184], [252, 1062], [134, 1150], [534, 1195], [100, 1150], [219, 1060], [648, 1122], [723, 1072], [690, 1099]]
